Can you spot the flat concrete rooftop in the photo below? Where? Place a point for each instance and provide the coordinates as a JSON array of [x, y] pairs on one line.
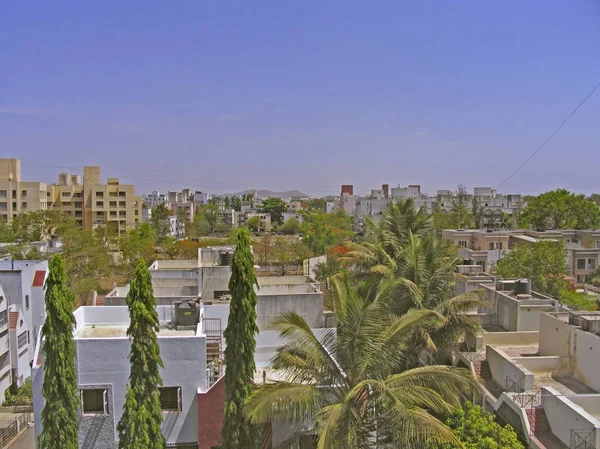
[[120, 331]]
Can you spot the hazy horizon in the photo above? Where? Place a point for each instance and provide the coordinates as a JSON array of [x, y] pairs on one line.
[[224, 97]]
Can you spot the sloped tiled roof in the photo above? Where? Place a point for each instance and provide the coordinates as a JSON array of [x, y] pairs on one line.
[[38, 279], [101, 300], [13, 318]]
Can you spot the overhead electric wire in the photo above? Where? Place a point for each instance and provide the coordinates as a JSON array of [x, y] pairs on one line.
[[588, 96]]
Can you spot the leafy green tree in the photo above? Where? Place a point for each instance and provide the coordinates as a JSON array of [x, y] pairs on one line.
[[160, 222], [348, 385], [236, 203], [238, 431], [183, 219], [7, 234], [137, 244], [253, 223], [139, 427], [594, 277], [543, 262], [560, 209], [59, 389], [477, 429], [211, 212], [478, 213], [317, 204], [37, 225], [291, 227], [595, 197], [460, 214], [88, 259], [276, 207], [321, 231]]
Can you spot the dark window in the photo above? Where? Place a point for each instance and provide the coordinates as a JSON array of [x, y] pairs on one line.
[[170, 398], [581, 264], [22, 340], [94, 401], [26, 302], [23, 193]]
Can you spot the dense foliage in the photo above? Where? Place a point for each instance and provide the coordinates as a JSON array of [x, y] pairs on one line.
[[543, 263], [59, 388], [477, 429], [240, 341], [560, 209], [139, 427], [350, 385], [276, 207]]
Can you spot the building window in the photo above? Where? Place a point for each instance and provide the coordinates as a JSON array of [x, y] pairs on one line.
[[14, 194], [78, 204], [14, 206], [2, 193], [22, 340], [65, 194], [463, 243], [591, 264], [94, 401], [112, 204], [597, 243], [113, 213], [122, 213], [26, 302], [170, 399], [23, 205], [67, 204], [78, 213], [581, 264], [123, 194], [3, 318], [24, 193], [99, 203], [77, 195], [99, 194], [122, 203]]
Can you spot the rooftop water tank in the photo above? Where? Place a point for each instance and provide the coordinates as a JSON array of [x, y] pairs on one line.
[[522, 287], [187, 313], [225, 258]]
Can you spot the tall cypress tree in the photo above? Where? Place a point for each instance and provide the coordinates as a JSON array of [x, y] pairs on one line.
[[139, 427], [240, 339], [59, 387]]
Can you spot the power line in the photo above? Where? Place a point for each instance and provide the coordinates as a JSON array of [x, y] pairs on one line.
[[551, 135]]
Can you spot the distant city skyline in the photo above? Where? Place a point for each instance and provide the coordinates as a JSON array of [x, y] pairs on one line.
[[280, 96]]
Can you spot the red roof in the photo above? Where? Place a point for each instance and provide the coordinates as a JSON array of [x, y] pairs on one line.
[[39, 360], [100, 300], [13, 318], [38, 279]]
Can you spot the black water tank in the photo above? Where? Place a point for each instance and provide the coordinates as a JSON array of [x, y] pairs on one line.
[[522, 287], [187, 314], [225, 258]]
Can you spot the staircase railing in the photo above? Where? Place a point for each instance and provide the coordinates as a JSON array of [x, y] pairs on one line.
[[582, 439]]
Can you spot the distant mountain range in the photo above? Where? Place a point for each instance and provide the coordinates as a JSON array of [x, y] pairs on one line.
[[270, 193]]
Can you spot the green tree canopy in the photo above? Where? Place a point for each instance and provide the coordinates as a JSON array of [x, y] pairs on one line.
[[60, 420], [543, 262], [321, 231], [139, 427], [477, 429], [318, 204], [291, 226], [560, 209], [253, 223], [348, 386], [160, 222], [276, 207], [240, 340]]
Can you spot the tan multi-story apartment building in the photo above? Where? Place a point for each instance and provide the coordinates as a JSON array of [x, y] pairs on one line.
[[95, 204], [18, 196]]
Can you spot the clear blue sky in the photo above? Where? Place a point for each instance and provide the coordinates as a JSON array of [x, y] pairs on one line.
[[222, 96]]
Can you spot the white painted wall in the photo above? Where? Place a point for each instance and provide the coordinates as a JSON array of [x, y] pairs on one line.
[[564, 416], [586, 360], [502, 367]]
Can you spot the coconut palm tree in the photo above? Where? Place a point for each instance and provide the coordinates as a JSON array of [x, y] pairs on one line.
[[347, 386], [419, 273]]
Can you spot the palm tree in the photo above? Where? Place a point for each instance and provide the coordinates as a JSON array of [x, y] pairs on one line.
[[347, 386], [419, 273]]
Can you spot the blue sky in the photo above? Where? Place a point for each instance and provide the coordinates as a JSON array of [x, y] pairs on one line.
[[222, 96]]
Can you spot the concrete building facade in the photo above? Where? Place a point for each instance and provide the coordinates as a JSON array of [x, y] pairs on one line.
[[93, 203], [17, 196]]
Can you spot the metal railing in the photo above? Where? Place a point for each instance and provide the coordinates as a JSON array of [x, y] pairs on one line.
[[10, 428], [514, 384], [582, 439]]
